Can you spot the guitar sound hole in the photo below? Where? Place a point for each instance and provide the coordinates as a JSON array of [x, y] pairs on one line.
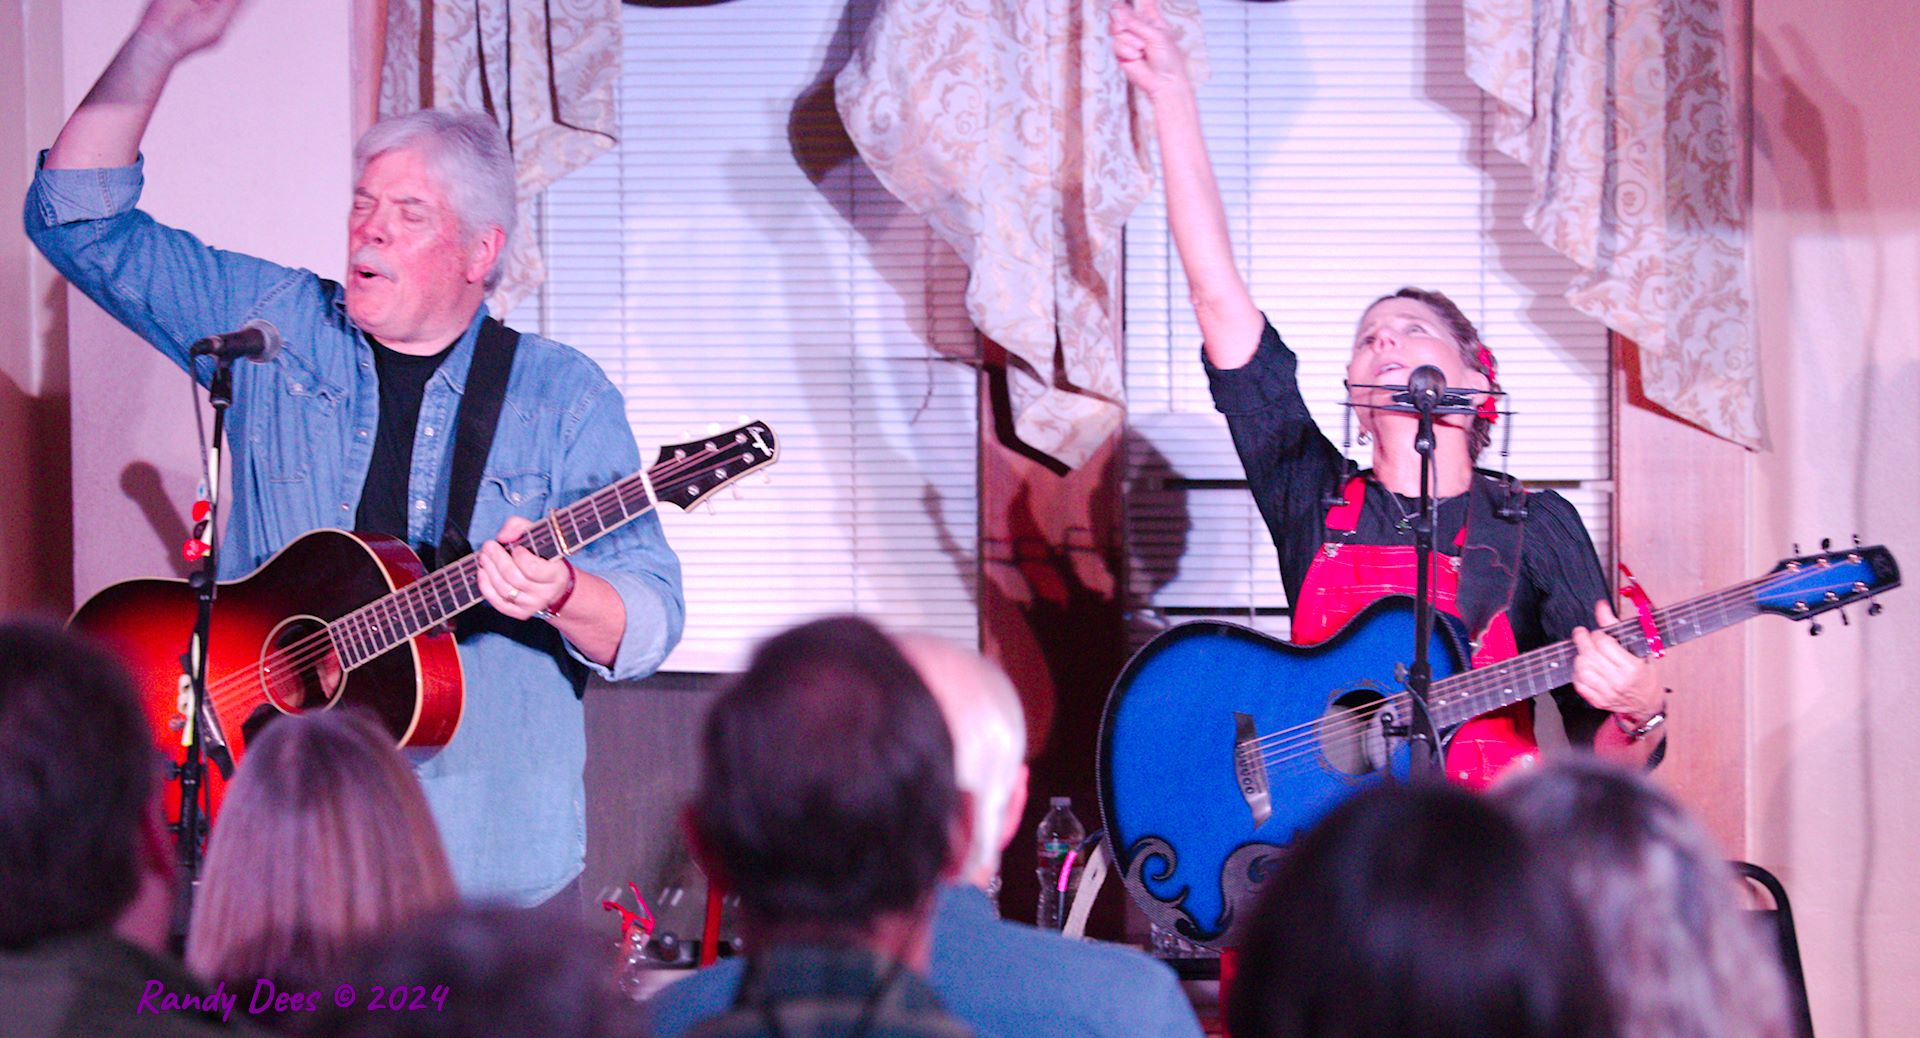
[[300, 671], [1349, 733]]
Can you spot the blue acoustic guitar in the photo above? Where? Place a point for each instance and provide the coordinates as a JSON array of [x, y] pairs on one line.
[[1220, 743]]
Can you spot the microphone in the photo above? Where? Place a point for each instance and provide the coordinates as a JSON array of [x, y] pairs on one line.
[[257, 341], [1425, 386], [1427, 392]]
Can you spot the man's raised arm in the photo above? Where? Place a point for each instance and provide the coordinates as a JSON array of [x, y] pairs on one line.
[[105, 130]]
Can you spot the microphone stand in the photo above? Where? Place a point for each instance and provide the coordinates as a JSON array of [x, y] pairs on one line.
[[1422, 736], [202, 737], [1425, 395]]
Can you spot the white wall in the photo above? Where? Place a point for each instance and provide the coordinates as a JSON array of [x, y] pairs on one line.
[[1837, 247], [251, 150]]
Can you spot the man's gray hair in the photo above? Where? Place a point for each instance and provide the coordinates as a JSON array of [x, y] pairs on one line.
[[989, 729], [469, 154]]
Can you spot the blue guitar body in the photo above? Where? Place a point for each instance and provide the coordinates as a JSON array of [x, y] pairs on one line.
[[1221, 744], [1205, 714]]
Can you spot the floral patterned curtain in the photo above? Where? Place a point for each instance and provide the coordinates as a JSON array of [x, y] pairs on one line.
[[547, 71], [1008, 125], [1624, 112]]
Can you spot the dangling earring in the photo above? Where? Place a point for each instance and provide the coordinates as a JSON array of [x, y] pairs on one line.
[[1365, 437]]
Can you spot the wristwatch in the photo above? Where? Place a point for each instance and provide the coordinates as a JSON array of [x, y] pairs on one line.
[[1646, 727]]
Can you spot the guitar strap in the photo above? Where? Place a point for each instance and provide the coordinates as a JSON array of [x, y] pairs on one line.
[[1490, 558], [480, 403]]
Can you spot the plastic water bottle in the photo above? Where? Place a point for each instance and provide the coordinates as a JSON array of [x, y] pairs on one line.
[[1057, 845]]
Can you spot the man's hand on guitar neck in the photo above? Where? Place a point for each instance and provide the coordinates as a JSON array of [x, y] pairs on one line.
[[522, 585]]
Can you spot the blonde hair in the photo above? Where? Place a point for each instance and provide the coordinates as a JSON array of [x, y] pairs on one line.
[[324, 842]]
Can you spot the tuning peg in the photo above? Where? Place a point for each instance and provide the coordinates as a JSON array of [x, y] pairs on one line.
[[1813, 630], [710, 509], [1844, 622], [1796, 547], [1856, 540], [735, 492], [765, 478], [1873, 608], [1826, 544]]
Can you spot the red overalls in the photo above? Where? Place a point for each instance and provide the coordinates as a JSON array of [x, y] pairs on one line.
[[1346, 578]]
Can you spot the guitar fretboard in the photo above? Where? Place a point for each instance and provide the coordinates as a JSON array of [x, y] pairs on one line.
[[1461, 698], [682, 479]]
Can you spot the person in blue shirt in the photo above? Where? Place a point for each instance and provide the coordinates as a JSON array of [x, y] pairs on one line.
[[1003, 978], [350, 426], [827, 804]]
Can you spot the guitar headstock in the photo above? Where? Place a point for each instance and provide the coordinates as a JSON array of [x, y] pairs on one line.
[[687, 473], [1809, 585]]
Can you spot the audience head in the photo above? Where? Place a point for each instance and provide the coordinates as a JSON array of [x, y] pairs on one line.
[[487, 972], [1416, 911], [989, 731], [827, 798], [1682, 958], [79, 827], [324, 841]]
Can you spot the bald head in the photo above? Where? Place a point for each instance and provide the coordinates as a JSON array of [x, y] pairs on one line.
[[989, 731]]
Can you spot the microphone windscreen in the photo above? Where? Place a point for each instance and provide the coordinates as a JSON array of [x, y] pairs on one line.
[[269, 339]]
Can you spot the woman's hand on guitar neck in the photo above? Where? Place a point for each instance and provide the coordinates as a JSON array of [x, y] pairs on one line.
[[1609, 677]]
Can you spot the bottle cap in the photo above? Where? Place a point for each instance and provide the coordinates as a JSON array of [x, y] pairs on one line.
[[1061, 801]]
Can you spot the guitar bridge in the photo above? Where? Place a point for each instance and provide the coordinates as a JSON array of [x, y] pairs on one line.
[[1249, 771]]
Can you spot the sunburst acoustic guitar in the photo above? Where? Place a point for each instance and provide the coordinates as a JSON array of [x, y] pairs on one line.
[[352, 618]]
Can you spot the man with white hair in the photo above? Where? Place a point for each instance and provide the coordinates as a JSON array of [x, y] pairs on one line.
[[353, 425], [1003, 978]]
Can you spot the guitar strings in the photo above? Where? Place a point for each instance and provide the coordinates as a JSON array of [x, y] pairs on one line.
[[320, 645], [288, 662], [1503, 672], [1341, 731], [1349, 724], [1354, 722]]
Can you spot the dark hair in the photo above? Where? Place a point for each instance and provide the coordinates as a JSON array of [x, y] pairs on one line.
[[1467, 338], [827, 787], [1416, 911], [76, 781], [483, 971]]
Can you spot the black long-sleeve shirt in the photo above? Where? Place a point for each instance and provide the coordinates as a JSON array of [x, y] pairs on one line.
[[1291, 466]]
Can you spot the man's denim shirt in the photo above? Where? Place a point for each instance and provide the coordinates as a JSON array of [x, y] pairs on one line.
[[508, 791]]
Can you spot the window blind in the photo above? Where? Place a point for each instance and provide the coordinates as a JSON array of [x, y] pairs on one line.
[[1351, 152], [710, 276]]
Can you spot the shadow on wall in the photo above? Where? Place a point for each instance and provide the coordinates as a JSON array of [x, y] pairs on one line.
[[141, 483], [36, 502], [1808, 130]]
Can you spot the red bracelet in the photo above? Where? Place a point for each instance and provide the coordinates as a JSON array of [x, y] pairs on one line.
[[553, 608]]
